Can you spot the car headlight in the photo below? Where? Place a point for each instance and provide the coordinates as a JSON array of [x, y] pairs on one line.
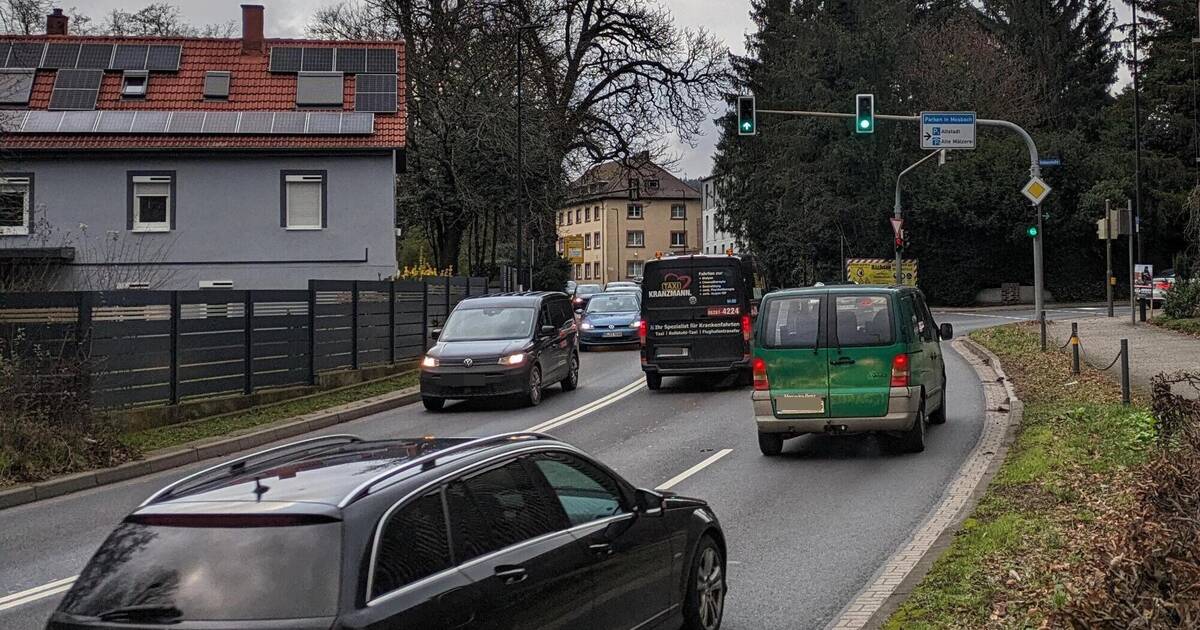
[[513, 359], [635, 323], [586, 326], [429, 362]]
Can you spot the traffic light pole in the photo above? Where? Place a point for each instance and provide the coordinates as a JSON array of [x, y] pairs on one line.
[[896, 212]]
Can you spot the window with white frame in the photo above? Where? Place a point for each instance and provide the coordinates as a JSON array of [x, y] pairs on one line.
[[679, 239], [587, 240], [678, 211], [304, 200], [633, 211], [633, 268], [635, 238], [153, 197], [587, 214], [579, 215], [596, 240], [16, 194]]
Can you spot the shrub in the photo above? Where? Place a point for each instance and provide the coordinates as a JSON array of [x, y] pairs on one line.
[[1182, 301]]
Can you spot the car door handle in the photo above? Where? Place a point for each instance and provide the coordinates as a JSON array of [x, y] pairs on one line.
[[842, 361], [602, 549], [511, 574]]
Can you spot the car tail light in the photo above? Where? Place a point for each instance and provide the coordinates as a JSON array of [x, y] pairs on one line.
[[643, 330], [746, 327], [1162, 286], [760, 374], [900, 370]]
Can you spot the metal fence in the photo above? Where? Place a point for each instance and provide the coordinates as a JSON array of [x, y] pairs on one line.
[[161, 347]]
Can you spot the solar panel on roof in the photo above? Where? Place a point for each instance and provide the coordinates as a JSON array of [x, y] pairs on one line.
[[61, 56], [286, 58], [4, 48], [256, 122], [289, 122], [78, 79], [186, 122], [26, 55], [351, 60], [42, 122], [381, 60], [221, 122], [78, 122], [130, 57], [163, 58], [324, 122], [317, 60], [357, 122], [94, 56], [16, 85], [115, 122], [150, 122], [375, 93], [320, 88], [76, 89]]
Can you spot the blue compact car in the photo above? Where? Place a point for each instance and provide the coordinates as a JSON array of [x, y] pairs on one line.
[[611, 319]]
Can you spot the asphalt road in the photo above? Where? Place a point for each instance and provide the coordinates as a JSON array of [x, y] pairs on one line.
[[805, 530]]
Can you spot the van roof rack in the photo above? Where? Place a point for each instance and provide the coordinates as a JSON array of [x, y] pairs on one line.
[[429, 461], [247, 463]]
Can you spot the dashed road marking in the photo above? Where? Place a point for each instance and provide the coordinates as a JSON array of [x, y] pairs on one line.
[[595, 405], [712, 459]]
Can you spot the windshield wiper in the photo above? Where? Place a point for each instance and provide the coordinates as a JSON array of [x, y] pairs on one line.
[[142, 612]]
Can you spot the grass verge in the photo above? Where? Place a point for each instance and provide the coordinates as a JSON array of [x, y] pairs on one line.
[[1186, 326], [1065, 481], [242, 422]]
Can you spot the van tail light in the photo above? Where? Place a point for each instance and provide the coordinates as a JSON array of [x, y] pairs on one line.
[[760, 374], [746, 327], [643, 330], [900, 370]]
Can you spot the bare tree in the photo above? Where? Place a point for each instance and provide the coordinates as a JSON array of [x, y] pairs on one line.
[[24, 17], [160, 19]]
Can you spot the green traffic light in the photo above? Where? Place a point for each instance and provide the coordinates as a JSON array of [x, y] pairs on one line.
[[1032, 231], [864, 124], [747, 125]]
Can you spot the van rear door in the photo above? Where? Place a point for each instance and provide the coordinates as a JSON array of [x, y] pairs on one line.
[[788, 338], [693, 309], [863, 342]]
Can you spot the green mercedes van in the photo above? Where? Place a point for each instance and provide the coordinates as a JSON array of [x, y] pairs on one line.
[[847, 359]]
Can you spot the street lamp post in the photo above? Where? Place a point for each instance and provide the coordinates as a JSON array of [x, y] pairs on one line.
[[520, 160]]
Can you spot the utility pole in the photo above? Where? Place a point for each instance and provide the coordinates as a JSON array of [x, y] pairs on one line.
[[1135, 216], [1132, 291], [897, 215], [1108, 276], [520, 160]]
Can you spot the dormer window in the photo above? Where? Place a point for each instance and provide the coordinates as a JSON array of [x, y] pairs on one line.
[[134, 83]]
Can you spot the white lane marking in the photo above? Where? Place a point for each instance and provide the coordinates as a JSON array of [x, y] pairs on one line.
[[1015, 319], [712, 459], [36, 593], [595, 405]]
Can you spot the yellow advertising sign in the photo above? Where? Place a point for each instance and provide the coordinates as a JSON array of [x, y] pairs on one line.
[[573, 249], [880, 271]]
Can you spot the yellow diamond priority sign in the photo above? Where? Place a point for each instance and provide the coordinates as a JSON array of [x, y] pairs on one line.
[[1036, 190]]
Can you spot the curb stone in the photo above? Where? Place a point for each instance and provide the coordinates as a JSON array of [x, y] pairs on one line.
[[200, 450], [909, 564]]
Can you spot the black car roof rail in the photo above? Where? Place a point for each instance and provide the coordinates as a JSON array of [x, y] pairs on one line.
[[240, 465], [430, 460]]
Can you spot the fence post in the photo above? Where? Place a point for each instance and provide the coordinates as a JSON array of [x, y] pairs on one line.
[[447, 314], [1074, 348], [173, 382], [312, 334], [354, 325], [248, 335], [1126, 394], [392, 322], [83, 338], [424, 315]]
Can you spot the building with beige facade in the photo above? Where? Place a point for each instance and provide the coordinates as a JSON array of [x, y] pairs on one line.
[[620, 232]]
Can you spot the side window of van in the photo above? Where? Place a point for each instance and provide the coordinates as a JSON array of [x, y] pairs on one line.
[[792, 322], [930, 328]]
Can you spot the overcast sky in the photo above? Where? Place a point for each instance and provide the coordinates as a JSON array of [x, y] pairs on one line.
[[728, 19]]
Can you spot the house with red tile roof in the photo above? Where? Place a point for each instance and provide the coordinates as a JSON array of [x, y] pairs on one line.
[[197, 162]]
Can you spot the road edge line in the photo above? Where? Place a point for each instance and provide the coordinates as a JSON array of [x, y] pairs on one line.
[[891, 585]]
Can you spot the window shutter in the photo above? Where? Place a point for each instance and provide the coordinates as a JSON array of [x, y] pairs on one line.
[[304, 201]]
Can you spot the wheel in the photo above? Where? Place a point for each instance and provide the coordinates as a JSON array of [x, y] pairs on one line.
[[572, 381], [653, 381], [704, 601], [433, 404], [533, 395], [913, 440], [939, 416], [771, 444]]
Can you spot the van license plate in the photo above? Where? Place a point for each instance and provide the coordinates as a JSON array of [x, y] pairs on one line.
[[673, 353], [613, 334], [806, 403]]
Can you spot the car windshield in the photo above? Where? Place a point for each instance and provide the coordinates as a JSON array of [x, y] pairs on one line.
[[489, 324], [611, 303], [213, 573], [587, 289]]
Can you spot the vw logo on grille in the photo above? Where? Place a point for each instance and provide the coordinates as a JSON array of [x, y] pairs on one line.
[[468, 362]]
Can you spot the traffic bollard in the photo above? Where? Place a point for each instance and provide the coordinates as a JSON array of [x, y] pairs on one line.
[[1042, 318], [1126, 395], [1074, 348], [1142, 310]]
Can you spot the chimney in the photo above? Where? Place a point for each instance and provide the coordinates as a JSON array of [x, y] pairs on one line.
[[56, 23], [252, 29]]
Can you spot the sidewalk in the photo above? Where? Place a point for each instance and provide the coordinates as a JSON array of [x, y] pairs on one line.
[[1151, 349]]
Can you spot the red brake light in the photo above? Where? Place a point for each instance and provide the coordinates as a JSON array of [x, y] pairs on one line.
[[760, 374], [1164, 286], [746, 327], [642, 331], [900, 371]]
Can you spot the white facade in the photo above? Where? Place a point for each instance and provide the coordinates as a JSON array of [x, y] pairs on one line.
[[715, 241]]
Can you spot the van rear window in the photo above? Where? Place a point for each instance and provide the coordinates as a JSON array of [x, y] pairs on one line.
[[698, 285], [864, 320], [792, 323]]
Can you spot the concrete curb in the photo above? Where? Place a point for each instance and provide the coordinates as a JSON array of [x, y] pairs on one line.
[[208, 448], [905, 569]]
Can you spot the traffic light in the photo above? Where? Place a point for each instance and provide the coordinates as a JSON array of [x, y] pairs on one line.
[[864, 113], [747, 119], [1032, 231]]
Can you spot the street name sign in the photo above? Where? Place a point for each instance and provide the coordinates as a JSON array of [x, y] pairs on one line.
[[880, 271], [1049, 162], [947, 130], [1036, 190]]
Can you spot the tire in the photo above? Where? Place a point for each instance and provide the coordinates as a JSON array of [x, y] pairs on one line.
[[704, 599], [433, 404], [771, 444], [939, 416], [572, 380], [913, 440], [533, 393], [653, 381]]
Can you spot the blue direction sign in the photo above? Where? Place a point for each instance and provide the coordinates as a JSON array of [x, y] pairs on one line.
[[1050, 161], [947, 130]]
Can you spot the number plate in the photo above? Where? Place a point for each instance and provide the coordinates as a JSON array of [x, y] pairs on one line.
[[613, 334], [465, 380], [672, 353], [718, 311], [800, 403]]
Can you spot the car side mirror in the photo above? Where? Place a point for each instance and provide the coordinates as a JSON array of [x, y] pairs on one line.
[[548, 330], [579, 311], [946, 331], [649, 502], [435, 333]]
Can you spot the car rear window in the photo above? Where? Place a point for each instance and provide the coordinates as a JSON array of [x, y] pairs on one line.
[[697, 285], [792, 322], [214, 573], [864, 320]]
